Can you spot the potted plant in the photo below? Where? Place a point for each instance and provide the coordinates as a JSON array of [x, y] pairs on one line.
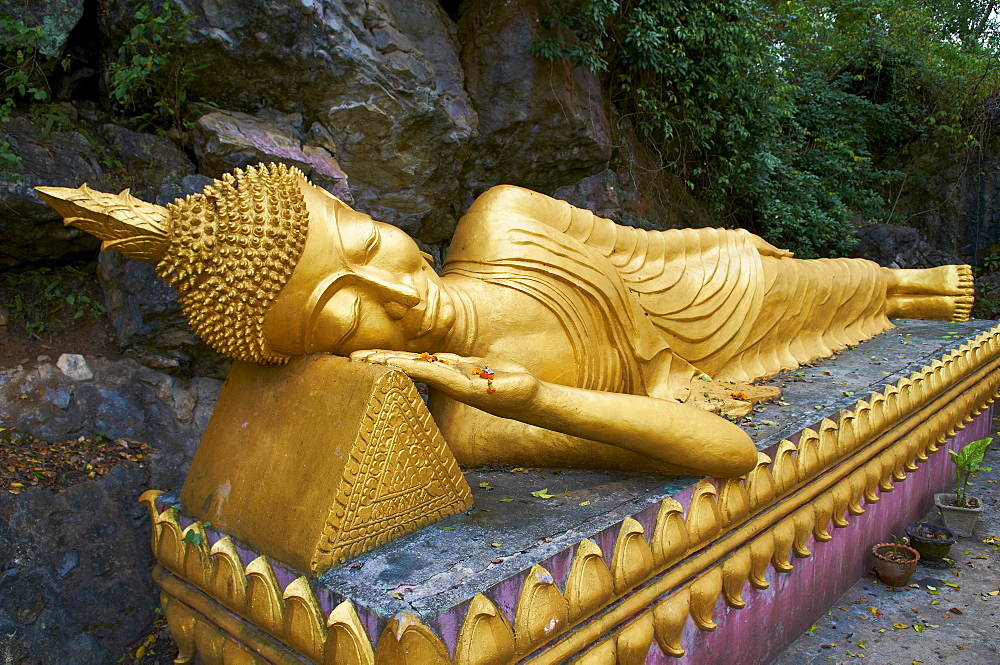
[[959, 511], [895, 563], [932, 541]]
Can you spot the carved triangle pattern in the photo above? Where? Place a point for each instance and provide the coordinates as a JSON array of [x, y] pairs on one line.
[[400, 476]]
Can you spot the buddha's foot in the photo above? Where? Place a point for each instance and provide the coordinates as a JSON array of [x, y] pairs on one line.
[[953, 280], [944, 308], [944, 293]]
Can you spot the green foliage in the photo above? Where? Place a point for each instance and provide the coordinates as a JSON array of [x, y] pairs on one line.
[[50, 118], [43, 300], [26, 52], [151, 76], [678, 69], [896, 542], [148, 81], [967, 462], [793, 117], [990, 263]]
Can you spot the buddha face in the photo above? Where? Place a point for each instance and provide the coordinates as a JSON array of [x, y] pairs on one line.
[[359, 284]]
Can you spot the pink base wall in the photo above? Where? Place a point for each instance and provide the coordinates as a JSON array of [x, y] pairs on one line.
[[776, 616]]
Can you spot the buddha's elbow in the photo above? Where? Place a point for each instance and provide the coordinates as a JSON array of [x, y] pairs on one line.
[[735, 456]]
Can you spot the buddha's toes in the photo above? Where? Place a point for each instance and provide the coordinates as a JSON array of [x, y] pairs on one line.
[[963, 307], [963, 282]]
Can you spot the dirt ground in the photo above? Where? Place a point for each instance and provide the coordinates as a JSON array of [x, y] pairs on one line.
[[947, 615]]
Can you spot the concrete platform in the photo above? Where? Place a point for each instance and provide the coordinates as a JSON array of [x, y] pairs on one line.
[[609, 566], [956, 609]]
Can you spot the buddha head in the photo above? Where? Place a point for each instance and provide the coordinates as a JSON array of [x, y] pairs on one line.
[[268, 266]]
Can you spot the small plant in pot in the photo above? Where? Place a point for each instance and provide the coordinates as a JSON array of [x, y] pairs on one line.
[[895, 563], [959, 511], [932, 541]]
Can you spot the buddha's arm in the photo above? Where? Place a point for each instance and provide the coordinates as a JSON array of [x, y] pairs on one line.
[[665, 431]]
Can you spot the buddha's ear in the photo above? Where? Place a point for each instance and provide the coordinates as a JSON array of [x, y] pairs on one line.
[[427, 257]]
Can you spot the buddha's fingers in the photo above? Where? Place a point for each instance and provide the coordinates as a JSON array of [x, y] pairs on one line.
[[459, 360], [378, 356], [501, 389], [473, 362], [431, 369]]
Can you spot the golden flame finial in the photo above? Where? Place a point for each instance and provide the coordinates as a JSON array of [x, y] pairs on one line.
[[124, 223]]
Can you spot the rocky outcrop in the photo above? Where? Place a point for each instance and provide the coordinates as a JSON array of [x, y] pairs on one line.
[[57, 401], [542, 125], [895, 246], [151, 165], [227, 140], [75, 565], [148, 321], [75, 571], [30, 229], [55, 18], [956, 207], [104, 155], [381, 78]]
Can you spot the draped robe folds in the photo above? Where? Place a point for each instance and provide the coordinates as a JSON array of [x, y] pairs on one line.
[[648, 311]]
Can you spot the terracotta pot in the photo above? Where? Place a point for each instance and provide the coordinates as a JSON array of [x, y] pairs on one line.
[[932, 541], [892, 572], [960, 520]]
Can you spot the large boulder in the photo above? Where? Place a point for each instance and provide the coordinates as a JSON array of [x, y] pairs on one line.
[[76, 396], [542, 125], [52, 21], [381, 78], [227, 140], [83, 148], [31, 230], [149, 322], [956, 205], [151, 165], [895, 246], [75, 583]]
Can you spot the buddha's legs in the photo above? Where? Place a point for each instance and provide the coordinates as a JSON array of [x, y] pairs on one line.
[[933, 293]]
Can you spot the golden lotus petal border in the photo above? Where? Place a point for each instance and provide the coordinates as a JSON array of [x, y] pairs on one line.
[[728, 536]]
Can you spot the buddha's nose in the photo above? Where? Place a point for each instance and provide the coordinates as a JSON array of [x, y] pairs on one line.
[[396, 292]]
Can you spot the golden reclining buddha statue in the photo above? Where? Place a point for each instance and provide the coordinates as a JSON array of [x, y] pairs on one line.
[[552, 337]]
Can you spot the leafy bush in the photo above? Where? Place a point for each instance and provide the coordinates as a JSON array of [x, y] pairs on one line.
[[148, 81], [967, 462], [793, 117], [43, 300], [27, 52], [152, 74]]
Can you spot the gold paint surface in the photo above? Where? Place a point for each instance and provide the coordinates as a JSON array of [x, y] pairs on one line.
[[599, 339], [320, 460]]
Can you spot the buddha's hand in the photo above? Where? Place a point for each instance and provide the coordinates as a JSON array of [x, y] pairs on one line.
[[495, 386]]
